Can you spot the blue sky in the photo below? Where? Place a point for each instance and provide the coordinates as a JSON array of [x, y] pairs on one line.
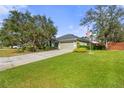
[[66, 18]]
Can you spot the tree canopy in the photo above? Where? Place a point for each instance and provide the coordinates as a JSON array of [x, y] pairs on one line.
[[107, 21], [27, 31]]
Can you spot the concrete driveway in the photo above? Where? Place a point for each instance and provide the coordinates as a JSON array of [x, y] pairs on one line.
[[10, 62]]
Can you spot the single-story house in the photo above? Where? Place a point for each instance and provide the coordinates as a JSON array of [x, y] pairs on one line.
[[70, 41]]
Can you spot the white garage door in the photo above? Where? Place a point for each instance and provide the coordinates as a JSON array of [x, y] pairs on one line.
[[67, 45]]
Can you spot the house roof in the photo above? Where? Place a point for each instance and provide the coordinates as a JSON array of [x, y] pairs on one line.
[[83, 39], [72, 38], [67, 38]]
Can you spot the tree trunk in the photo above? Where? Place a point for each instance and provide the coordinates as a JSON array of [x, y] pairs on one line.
[[106, 44]]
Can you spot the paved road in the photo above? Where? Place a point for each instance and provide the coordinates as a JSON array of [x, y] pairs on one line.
[[10, 62]]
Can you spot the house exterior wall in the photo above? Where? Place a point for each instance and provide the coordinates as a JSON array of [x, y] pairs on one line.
[[68, 45], [116, 46]]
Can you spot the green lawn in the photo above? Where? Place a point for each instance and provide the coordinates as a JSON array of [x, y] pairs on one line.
[[77, 70]]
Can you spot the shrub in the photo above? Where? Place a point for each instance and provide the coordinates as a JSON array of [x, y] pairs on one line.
[[78, 44], [80, 50], [81, 46], [49, 48], [98, 47]]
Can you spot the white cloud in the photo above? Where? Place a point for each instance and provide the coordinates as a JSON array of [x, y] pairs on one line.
[[1, 21], [5, 9], [71, 27]]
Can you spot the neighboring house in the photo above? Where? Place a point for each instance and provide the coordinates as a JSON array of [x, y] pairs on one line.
[[70, 41], [115, 45]]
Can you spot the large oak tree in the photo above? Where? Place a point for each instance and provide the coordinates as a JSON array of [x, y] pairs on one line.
[[28, 31], [106, 21]]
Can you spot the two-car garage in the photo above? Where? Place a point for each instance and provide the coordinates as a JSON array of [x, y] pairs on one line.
[[67, 45], [67, 41]]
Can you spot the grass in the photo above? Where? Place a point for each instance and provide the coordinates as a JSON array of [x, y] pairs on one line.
[[10, 52], [78, 70], [7, 52]]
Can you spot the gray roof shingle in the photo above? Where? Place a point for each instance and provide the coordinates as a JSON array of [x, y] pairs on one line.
[[67, 38], [72, 38]]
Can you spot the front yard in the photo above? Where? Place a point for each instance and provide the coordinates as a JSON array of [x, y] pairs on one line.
[[77, 70], [10, 52]]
